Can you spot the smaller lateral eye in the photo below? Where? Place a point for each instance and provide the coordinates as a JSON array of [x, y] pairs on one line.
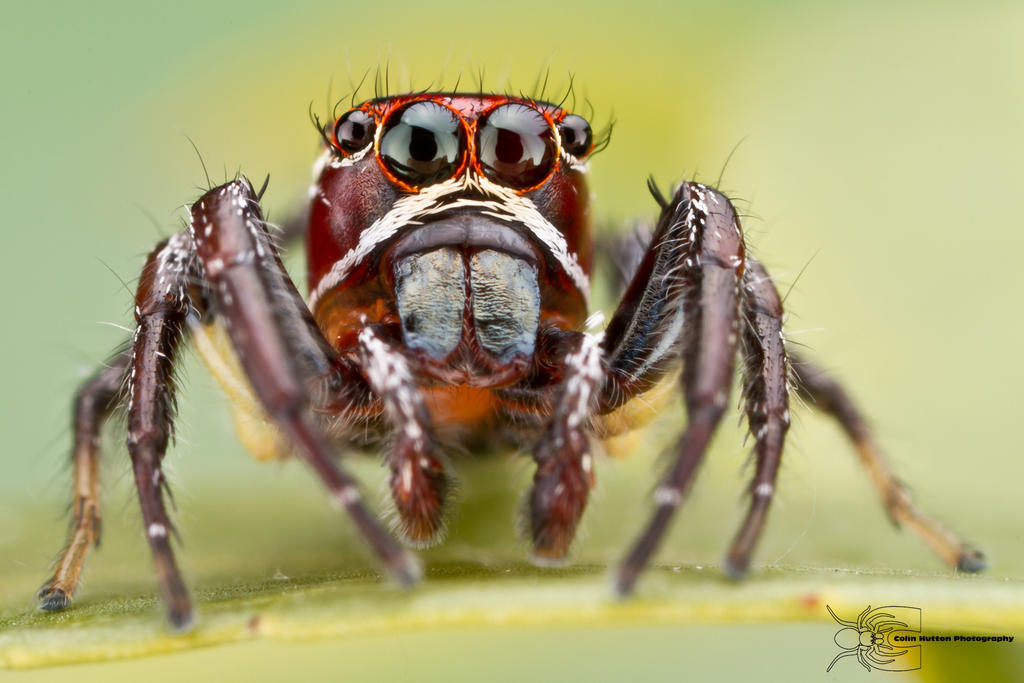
[[577, 138], [354, 131]]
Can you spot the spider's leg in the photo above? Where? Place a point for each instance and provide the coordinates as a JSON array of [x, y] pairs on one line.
[[94, 401], [418, 482], [697, 237], [275, 341], [565, 469], [767, 404], [846, 653], [162, 304], [292, 228], [843, 622], [693, 267], [824, 392], [622, 250]]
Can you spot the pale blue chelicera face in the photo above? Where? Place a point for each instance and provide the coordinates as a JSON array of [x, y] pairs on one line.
[[432, 288]]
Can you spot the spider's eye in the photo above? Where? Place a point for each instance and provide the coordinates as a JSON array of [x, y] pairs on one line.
[[577, 137], [354, 131], [516, 146], [422, 143]]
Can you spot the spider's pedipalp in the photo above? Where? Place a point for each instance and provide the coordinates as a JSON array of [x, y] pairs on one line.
[[418, 482], [565, 470]]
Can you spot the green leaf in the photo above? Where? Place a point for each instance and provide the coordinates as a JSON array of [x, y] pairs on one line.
[[280, 566]]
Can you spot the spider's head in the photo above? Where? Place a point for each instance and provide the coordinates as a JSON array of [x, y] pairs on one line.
[[415, 194]]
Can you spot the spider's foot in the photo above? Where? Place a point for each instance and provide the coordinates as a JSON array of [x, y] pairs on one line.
[[182, 618], [624, 581], [405, 570], [53, 599], [971, 560], [736, 569]]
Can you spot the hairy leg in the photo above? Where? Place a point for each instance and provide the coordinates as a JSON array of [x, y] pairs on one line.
[[825, 393], [162, 303], [767, 404], [225, 265], [93, 403], [279, 347], [692, 269], [621, 252]]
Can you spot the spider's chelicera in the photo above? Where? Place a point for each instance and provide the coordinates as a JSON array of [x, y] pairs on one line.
[[449, 255]]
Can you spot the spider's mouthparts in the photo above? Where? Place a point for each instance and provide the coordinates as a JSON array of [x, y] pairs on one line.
[[467, 290], [486, 300], [470, 230]]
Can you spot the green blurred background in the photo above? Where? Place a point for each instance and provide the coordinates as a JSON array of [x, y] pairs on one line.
[[878, 148]]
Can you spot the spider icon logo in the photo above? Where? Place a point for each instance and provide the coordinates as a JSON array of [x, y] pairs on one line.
[[878, 638]]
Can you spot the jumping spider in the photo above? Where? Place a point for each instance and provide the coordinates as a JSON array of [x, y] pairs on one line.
[[449, 253]]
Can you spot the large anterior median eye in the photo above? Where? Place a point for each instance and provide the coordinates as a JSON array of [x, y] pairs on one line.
[[422, 143], [516, 146]]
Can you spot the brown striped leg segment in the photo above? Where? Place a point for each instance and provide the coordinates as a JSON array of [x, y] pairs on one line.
[[703, 281], [565, 467], [825, 393], [419, 485], [94, 401], [239, 263], [767, 404]]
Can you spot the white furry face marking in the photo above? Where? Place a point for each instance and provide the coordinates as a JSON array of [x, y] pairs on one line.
[[412, 209]]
